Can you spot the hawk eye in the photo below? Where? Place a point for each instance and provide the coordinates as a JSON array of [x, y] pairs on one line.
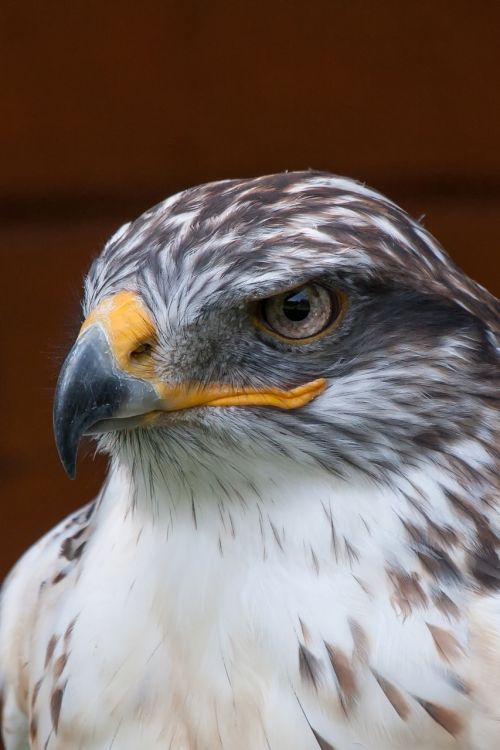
[[302, 313]]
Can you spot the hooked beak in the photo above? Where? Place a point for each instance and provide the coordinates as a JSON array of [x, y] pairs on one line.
[[108, 380]]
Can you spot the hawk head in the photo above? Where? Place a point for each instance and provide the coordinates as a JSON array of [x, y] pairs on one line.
[[300, 315]]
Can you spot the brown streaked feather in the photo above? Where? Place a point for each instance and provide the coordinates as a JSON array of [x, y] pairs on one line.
[[51, 647], [69, 632], [438, 563], [415, 533], [484, 563], [442, 535], [309, 666], [33, 729], [55, 706], [36, 690], [446, 605], [449, 720], [346, 678], [393, 695], [446, 643], [408, 591], [59, 665]]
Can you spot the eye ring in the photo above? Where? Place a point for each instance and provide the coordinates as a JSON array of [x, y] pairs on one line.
[[302, 314]]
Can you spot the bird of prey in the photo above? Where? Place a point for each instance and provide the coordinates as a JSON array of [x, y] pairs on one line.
[[296, 547]]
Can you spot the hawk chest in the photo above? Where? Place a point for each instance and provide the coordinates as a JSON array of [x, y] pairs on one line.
[[188, 639], [249, 629]]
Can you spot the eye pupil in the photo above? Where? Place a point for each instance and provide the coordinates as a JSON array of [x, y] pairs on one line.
[[297, 306]]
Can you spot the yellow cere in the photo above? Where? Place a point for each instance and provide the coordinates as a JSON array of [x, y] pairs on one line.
[[128, 326]]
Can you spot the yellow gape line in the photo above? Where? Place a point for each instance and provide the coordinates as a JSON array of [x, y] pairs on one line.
[[186, 397], [132, 337]]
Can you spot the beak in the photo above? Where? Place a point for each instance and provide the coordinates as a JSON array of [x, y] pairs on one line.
[[108, 380], [92, 389]]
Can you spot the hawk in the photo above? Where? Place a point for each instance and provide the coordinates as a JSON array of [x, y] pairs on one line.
[[296, 547]]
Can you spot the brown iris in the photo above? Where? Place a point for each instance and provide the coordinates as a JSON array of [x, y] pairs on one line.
[[301, 314]]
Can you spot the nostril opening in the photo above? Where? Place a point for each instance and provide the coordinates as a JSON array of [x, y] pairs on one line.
[[140, 351]]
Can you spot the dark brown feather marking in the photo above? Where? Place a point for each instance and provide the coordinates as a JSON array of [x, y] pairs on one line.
[[442, 535], [344, 673], [70, 551], [322, 743], [393, 695], [447, 645], [69, 632], [465, 508], [309, 666], [449, 720], [484, 562], [434, 534], [33, 729], [79, 550], [51, 646], [408, 592], [55, 706], [36, 690], [446, 605], [59, 665], [415, 533], [67, 549], [438, 563]]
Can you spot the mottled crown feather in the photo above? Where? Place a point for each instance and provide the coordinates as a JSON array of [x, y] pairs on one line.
[[233, 222]]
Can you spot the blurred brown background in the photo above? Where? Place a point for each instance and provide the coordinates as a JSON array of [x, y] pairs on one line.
[[107, 107]]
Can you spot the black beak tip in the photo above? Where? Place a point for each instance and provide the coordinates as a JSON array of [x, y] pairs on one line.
[[67, 441], [69, 463], [70, 469]]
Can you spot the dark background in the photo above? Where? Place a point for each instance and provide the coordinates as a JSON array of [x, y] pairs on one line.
[[107, 107]]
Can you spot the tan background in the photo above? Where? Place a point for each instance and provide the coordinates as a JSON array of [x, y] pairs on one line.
[[107, 107]]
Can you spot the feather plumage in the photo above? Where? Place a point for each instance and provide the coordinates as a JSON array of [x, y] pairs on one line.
[[250, 578]]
